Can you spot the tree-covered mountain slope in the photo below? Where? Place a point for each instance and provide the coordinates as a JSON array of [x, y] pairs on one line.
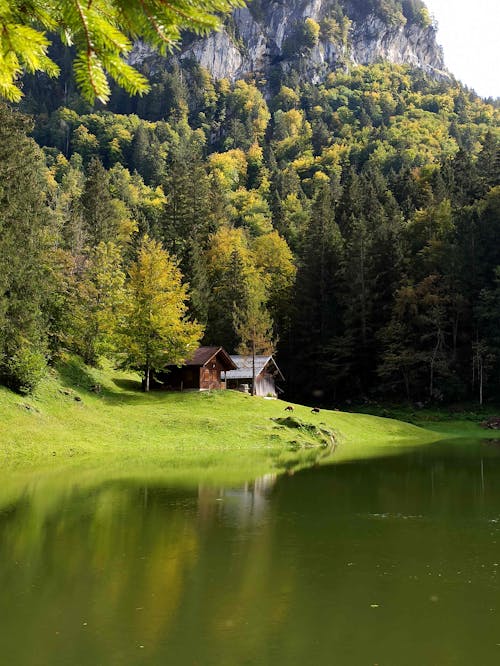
[[356, 211]]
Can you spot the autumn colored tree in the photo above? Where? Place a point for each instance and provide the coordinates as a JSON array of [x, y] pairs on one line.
[[156, 331]]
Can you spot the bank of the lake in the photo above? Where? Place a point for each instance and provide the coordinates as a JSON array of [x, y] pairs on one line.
[[455, 421], [81, 416]]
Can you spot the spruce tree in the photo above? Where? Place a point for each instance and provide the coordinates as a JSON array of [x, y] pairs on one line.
[[106, 219], [25, 223], [318, 317], [102, 34], [229, 294], [187, 220]]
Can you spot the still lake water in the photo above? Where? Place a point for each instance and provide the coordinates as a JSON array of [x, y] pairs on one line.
[[393, 562]]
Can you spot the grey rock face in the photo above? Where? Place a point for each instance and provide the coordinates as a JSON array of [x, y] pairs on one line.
[[262, 35], [373, 40]]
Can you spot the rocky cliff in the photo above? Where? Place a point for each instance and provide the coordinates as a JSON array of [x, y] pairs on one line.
[[316, 36]]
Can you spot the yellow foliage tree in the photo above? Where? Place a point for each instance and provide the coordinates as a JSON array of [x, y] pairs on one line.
[[156, 331]]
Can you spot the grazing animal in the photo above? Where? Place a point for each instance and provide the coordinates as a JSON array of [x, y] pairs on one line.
[[289, 408], [315, 410]]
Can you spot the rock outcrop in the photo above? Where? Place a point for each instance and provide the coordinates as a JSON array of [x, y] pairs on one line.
[[269, 34]]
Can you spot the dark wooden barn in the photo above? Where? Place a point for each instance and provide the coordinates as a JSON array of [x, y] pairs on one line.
[[201, 371]]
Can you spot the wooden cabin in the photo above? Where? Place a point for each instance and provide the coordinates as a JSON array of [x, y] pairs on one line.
[[200, 372], [267, 374]]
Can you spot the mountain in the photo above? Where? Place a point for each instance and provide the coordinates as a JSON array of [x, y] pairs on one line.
[[270, 38], [357, 206]]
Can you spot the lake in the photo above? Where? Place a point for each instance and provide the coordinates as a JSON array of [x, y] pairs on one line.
[[387, 562]]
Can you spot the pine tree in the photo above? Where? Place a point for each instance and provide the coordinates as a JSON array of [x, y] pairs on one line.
[[25, 233], [187, 220], [229, 293], [486, 347], [145, 156], [318, 316], [102, 33], [106, 218], [488, 163]]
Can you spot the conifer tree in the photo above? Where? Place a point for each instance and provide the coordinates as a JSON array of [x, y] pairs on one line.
[[145, 156], [102, 33], [317, 319], [486, 347], [25, 233], [106, 218], [229, 293], [488, 163], [187, 220]]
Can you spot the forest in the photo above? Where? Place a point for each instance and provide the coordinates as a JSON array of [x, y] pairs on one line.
[[351, 226]]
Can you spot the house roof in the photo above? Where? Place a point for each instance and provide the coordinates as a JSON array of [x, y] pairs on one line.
[[244, 367], [203, 355]]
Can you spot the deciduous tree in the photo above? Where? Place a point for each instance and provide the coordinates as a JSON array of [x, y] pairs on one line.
[[156, 331]]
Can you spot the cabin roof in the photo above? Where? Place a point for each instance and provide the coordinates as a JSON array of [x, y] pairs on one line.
[[244, 367], [203, 355]]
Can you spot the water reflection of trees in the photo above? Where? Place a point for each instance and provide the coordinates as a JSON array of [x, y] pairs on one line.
[[118, 558], [283, 570], [244, 505]]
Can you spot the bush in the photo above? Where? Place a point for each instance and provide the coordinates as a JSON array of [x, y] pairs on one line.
[[310, 33], [25, 369], [303, 39], [416, 12]]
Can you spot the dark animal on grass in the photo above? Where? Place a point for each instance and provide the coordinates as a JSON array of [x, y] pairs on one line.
[[315, 410], [289, 408]]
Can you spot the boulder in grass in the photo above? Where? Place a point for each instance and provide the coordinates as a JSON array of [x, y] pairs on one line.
[[493, 423]]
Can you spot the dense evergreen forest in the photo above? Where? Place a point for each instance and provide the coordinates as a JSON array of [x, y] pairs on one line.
[[353, 226]]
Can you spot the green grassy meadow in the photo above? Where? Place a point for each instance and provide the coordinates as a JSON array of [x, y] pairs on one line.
[[456, 421], [67, 437], [67, 423]]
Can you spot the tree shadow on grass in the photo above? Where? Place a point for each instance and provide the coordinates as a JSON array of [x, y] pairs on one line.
[[132, 385], [74, 376], [78, 379]]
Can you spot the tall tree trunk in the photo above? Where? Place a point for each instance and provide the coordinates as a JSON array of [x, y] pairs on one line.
[[480, 362], [147, 375], [364, 325], [437, 348], [407, 385], [254, 392]]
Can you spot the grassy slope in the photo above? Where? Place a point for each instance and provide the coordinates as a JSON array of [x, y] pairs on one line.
[[175, 432], [456, 422]]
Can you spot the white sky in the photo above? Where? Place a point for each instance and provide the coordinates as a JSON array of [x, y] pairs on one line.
[[469, 32]]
